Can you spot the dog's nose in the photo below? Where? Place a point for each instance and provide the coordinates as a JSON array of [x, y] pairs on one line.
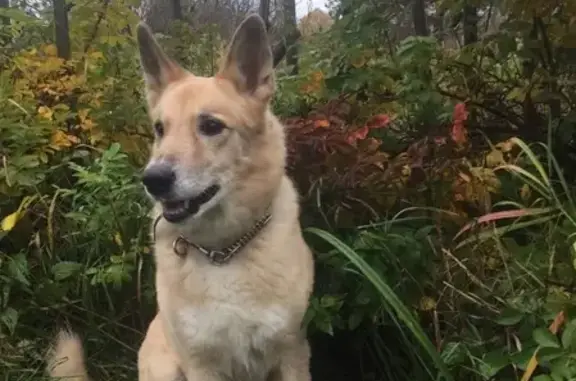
[[159, 179]]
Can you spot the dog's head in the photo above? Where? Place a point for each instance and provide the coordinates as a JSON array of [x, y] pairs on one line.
[[216, 141]]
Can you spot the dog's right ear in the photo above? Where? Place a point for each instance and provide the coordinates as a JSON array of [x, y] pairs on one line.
[[159, 70]]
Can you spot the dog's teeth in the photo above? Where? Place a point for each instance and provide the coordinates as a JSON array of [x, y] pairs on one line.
[[186, 204]]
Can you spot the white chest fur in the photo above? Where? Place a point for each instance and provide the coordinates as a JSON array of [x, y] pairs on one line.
[[239, 338]]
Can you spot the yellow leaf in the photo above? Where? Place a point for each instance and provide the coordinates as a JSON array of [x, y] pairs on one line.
[[87, 124], [406, 170], [96, 55], [118, 239], [525, 192], [10, 221], [517, 94], [505, 146], [83, 114], [495, 158], [464, 177], [45, 112], [50, 50], [59, 140], [427, 303]]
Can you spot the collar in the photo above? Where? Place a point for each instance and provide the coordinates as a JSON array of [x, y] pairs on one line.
[[217, 257]]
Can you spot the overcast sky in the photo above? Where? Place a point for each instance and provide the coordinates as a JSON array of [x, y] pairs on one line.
[[302, 6]]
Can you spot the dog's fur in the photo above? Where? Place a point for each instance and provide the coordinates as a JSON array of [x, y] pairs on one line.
[[242, 320]]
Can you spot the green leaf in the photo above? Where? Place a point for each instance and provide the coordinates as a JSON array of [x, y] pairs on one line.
[[9, 318], [550, 354], [522, 358], [509, 316], [568, 335], [556, 377], [545, 338], [18, 268], [542, 377], [325, 325], [355, 320], [16, 15], [453, 353], [65, 270], [561, 368], [492, 363]]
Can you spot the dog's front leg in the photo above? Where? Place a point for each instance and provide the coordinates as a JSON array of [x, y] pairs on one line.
[[295, 364], [156, 359]]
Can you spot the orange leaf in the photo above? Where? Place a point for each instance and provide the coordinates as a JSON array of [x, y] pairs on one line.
[[460, 115], [323, 123]]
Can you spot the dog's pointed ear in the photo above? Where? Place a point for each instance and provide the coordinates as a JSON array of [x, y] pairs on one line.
[[249, 63], [159, 70]]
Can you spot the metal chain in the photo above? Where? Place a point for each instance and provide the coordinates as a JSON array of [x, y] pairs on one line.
[[217, 257]]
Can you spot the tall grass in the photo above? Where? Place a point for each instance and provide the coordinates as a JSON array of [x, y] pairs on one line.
[[399, 312]]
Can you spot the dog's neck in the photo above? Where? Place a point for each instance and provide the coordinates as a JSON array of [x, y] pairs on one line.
[[222, 225]]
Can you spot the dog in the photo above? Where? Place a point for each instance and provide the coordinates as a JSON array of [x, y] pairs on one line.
[[233, 272]]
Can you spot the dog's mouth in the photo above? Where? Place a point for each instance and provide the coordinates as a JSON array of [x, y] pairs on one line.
[[177, 210]]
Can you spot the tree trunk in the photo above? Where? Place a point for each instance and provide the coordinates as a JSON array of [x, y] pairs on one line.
[[470, 24], [177, 9], [62, 32], [264, 11], [419, 17], [157, 14], [289, 10]]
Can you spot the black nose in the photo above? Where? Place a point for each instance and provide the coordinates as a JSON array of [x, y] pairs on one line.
[[159, 179]]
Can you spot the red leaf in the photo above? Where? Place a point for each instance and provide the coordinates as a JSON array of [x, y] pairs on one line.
[[439, 140], [496, 216], [460, 113], [458, 133], [379, 121], [359, 134]]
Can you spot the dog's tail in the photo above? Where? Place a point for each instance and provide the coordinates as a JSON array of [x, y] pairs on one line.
[[66, 358]]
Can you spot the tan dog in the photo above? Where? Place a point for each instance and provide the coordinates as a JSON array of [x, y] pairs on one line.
[[234, 274]]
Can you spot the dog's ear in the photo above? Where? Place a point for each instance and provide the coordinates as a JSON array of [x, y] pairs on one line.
[[248, 63], [159, 70]]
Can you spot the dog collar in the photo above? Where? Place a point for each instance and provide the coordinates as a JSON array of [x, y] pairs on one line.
[[217, 257]]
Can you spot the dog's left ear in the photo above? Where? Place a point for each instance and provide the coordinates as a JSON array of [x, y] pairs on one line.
[[249, 63], [159, 70]]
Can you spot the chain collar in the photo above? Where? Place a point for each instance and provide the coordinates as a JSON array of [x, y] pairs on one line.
[[216, 257]]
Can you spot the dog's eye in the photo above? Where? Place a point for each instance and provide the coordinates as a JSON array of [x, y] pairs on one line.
[[211, 126], [159, 128]]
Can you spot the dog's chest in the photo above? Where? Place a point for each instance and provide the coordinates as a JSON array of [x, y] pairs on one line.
[[242, 337]]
